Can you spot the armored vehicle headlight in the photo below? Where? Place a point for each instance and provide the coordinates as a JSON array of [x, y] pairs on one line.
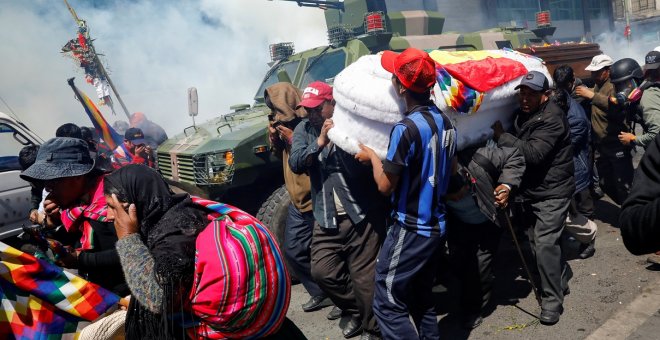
[[229, 157]]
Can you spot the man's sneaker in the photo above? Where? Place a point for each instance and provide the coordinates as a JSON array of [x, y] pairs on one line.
[[316, 303], [654, 258], [334, 314], [587, 250]]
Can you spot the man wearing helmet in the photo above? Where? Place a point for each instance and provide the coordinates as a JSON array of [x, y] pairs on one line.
[[608, 120], [649, 104]]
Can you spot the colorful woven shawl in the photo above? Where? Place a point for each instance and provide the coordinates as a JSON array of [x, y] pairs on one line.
[[96, 210], [41, 301], [241, 286]]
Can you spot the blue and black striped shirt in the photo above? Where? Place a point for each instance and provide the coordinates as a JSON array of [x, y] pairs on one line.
[[420, 152]]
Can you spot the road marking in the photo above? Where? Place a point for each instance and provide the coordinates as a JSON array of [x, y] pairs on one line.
[[626, 321]]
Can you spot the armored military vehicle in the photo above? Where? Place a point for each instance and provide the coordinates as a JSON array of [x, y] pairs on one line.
[[228, 158]]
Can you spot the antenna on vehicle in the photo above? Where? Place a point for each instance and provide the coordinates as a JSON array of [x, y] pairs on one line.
[[322, 4]]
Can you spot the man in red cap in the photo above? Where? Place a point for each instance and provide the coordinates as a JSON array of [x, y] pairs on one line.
[[415, 173], [349, 213]]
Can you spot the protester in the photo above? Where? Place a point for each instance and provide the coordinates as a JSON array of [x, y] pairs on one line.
[[91, 137], [282, 99], [541, 132], [196, 268], [134, 150], [68, 130], [581, 210], [154, 134], [640, 220], [613, 159], [415, 172], [349, 213], [75, 199], [581, 140], [564, 78], [482, 186], [649, 105]]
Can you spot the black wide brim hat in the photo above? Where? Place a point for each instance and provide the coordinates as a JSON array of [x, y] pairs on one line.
[[59, 158]]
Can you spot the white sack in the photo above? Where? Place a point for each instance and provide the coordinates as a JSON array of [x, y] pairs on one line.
[[368, 107]]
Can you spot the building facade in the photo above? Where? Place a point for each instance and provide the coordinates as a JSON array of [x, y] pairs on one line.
[[643, 17], [567, 15]]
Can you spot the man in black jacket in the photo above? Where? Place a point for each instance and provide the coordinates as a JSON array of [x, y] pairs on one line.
[[483, 183], [640, 214], [541, 133]]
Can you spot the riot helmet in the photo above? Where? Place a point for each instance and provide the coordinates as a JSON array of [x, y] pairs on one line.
[[624, 69]]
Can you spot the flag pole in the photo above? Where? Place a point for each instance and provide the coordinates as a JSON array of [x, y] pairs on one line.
[[81, 23]]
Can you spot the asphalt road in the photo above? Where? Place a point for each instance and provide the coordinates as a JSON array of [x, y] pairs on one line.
[[601, 287]]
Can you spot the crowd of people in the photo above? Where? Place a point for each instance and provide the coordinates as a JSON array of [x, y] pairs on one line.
[[364, 235]]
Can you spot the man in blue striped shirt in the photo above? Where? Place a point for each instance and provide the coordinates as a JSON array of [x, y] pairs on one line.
[[415, 172]]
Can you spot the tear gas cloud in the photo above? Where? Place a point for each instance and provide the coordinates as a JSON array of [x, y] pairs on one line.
[[617, 46], [154, 50]]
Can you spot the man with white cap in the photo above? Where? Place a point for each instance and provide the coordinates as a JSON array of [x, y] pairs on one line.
[[613, 159]]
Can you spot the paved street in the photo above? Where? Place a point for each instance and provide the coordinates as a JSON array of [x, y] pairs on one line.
[[601, 286]]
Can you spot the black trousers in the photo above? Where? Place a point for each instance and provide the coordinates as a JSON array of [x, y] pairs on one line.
[[472, 248], [344, 262], [546, 220], [616, 172], [584, 203], [298, 239]]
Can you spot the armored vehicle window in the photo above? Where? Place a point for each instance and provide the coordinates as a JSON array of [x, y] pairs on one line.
[[326, 68], [290, 68]]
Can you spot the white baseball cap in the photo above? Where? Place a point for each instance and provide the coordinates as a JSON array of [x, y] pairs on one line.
[[599, 61], [657, 48]]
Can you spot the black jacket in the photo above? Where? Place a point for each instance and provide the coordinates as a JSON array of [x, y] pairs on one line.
[[510, 165], [640, 213], [354, 185], [544, 139], [101, 265]]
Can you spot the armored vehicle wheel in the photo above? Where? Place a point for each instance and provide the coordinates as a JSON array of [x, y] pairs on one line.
[[273, 213]]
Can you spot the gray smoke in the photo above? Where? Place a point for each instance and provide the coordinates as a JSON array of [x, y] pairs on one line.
[[154, 50]]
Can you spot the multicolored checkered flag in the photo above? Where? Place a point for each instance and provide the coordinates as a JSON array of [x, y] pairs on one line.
[[41, 301]]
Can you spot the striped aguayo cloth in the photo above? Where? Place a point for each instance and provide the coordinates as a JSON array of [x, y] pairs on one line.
[[241, 287], [41, 301]]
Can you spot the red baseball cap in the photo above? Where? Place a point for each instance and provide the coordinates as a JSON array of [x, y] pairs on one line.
[[414, 68], [315, 94]]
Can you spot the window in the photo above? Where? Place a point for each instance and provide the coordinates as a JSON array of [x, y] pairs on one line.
[[642, 5], [12, 142], [324, 69], [289, 67]]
